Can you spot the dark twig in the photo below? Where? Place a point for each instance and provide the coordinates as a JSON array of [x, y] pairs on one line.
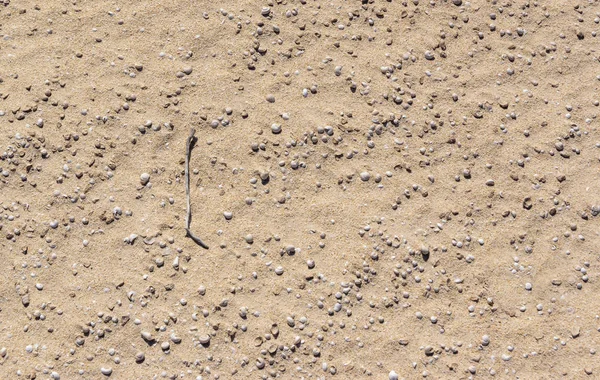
[[188, 217]]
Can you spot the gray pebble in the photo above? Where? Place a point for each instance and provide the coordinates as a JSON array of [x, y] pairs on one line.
[[365, 176], [144, 178], [393, 375], [270, 98], [279, 271], [147, 336], [106, 371], [204, 339], [228, 215], [175, 339], [276, 128], [140, 357], [485, 340]]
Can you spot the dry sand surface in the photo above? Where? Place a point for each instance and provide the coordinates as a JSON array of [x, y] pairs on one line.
[[387, 189]]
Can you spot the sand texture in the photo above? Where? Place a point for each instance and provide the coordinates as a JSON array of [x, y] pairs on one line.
[[387, 189]]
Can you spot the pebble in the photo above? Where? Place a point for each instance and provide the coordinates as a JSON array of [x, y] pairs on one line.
[[144, 178], [106, 371], [140, 357], [204, 339], [147, 336], [365, 176], [393, 375], [276, 128], [485, 340], [270, 98]]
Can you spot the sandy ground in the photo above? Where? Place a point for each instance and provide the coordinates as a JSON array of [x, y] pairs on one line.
[[388, 189]]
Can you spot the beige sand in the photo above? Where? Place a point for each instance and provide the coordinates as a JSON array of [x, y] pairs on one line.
[[437, 164]]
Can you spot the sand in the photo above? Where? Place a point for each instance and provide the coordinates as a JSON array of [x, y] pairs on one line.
[[386, 188]]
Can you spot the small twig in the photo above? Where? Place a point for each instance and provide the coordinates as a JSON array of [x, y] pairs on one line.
[[188, 216]]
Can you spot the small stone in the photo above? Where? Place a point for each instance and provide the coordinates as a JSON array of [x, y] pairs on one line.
[[490, 182], [279, 271], [457, 2], [393, 375], [270, 98], [365, 176], [249, 239], [228, 215], [140, 357], [290, 321], [429, 55], [187, 70], [276, 128], [144, 178], [175, 339], [528, 286], [147, 336], [485, 340], [106, 371], [204, 339]]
